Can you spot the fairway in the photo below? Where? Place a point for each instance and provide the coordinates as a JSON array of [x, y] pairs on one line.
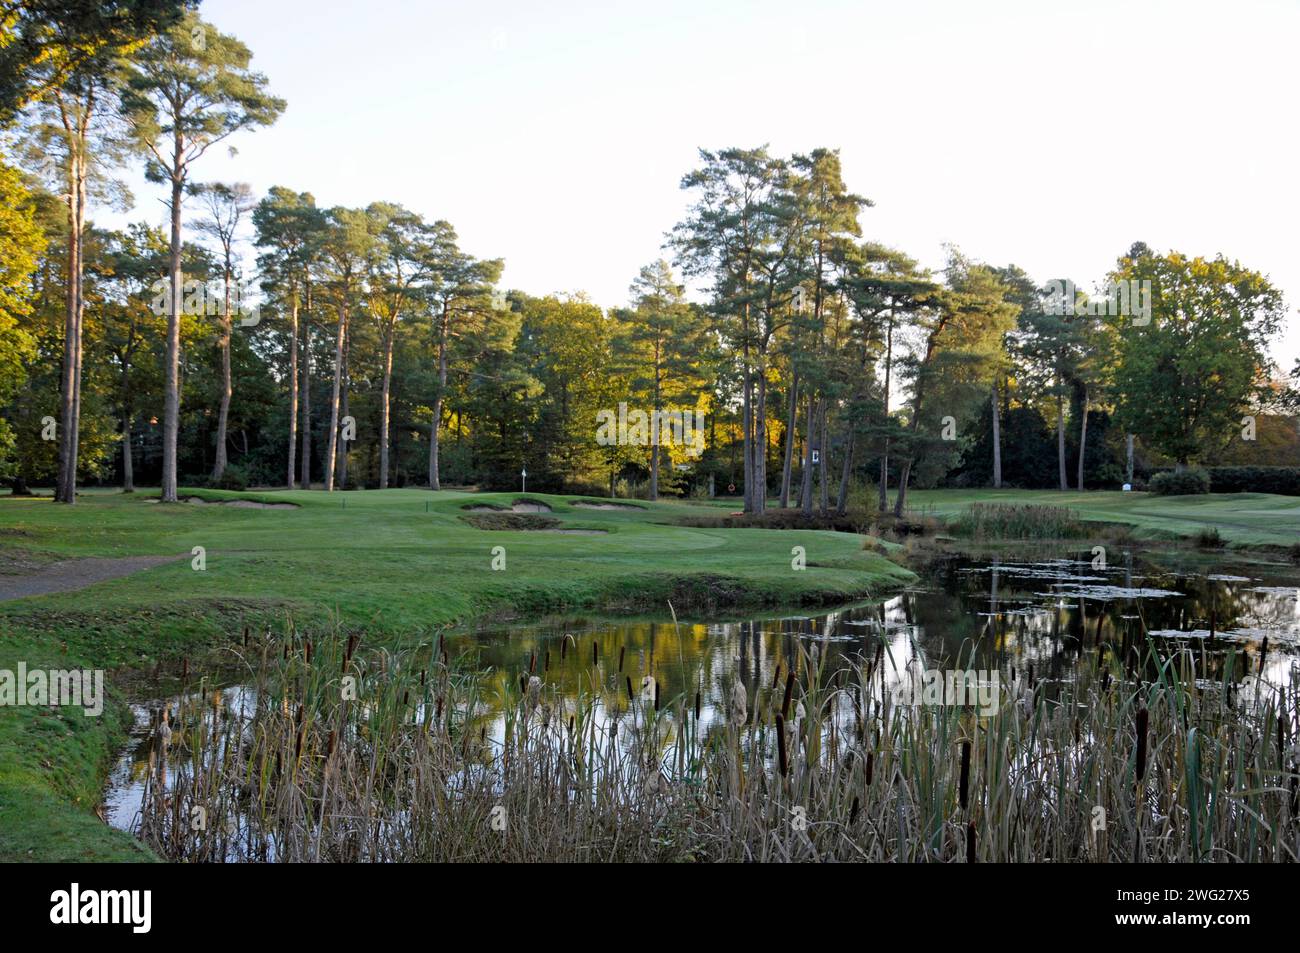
[[1250, 519], [403, 560]]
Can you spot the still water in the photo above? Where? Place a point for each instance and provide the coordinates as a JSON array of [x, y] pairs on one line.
[[1039, 616]]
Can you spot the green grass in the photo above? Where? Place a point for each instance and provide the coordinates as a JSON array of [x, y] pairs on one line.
[[1249, 519], [394, 563]]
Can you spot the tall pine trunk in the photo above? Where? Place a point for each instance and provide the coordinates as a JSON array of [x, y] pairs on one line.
[[884, 455], [825, 463], [306, 392], [293, 389], [435, 479], [223, 411], [655, 436], [69, 422], [760, 443], [384, 405], [340, 335], [846, 474], [1083, 435], [1060, 440], [997, 442], [788, 459], [341, 471], [171, 370], [810, 439]]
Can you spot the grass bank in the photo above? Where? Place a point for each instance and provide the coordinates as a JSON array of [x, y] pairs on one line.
[[396, 563]]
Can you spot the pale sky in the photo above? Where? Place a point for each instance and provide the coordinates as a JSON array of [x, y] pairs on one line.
[[555, 135]]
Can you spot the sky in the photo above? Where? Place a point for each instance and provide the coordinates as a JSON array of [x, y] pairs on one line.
[[555, 135]]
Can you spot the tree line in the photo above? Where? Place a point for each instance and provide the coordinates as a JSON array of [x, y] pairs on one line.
[[271, 341]]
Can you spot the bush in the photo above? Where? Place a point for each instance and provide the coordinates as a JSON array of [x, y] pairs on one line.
[[1184, 483], [232, 478], [1284, 481], [1208, 538]]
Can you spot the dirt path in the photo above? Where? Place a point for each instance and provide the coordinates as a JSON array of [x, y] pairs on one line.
[[70, 574]]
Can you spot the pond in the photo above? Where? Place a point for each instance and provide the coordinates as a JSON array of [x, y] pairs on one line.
[[1037, 617]]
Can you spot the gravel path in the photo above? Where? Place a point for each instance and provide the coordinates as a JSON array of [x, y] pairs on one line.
[[70, 574]]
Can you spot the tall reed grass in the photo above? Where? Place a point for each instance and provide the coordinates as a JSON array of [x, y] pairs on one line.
[[1141, 755]]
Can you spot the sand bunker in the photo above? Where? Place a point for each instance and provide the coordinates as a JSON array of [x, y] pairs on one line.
[[519, 506], [588, 505], [239, 504]]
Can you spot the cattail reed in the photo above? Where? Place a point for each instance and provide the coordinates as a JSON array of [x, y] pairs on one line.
[[789, 691], [965, 773], [630, 697], [595, 654], [780, 744], [656, 694], [1141, 727], [622, 649], [697, 704], [871, 762]]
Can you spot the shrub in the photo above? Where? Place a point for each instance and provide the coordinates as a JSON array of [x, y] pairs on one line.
[[1284, 481], [1184, 483], [232, 478], [1208, 538]]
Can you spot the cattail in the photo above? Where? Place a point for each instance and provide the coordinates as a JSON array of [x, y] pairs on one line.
[[656, 681], [1281, 733], [871, 762], [776, 676], [789, 690], [739, 705], [965, 772], [1263, 654], [308, 652], [697, 704], [780, 744], [1141, 743], [970, 843], [853, 811], [621, 650], [564, 648], [595, 654], [532, 663], [185, 668], [245, 636], [630, 696], [546, 661], [334, 742]]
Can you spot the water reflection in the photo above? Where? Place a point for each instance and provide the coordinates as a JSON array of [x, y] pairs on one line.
[[1034, 618]]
